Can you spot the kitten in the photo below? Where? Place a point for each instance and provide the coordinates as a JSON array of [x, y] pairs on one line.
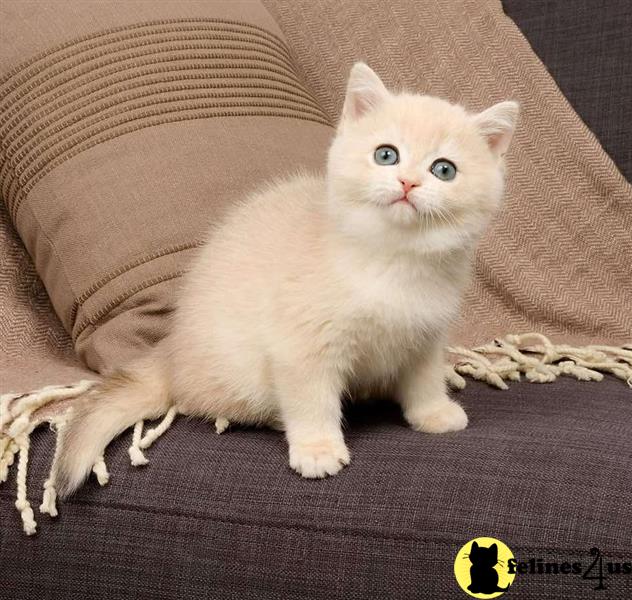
[[318, 287]]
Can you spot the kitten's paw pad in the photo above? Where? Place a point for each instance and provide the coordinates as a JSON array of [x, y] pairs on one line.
[[319, 458], [447, 416]]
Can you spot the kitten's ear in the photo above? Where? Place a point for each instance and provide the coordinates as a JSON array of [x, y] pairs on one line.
[[494, 549], [497, 125], [365, 91], [474, 547]]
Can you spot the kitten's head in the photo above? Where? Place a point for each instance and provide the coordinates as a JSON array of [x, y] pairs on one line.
[[415, 170]]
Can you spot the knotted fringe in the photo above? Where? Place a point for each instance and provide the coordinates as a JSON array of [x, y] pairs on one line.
[[507, 359], [140, 442], [17, 420], [541, 361]]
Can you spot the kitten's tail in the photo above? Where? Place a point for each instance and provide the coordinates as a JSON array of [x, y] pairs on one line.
[[122, 399]]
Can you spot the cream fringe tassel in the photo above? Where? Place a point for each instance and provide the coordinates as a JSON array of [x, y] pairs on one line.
[[16, 411], [531, 355]]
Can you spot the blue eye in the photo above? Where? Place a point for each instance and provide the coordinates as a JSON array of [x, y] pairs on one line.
[[386, 155], [443, 169]]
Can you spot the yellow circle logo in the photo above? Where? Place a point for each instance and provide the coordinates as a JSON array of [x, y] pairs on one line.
[[480, 567]]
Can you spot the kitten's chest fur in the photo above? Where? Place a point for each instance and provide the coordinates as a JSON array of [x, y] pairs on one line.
[[394, 312]]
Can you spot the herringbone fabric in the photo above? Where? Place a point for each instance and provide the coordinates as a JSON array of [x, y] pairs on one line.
[[35, 350], [558, 259]]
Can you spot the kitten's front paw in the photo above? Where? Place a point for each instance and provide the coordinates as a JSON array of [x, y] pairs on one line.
[[437, 418], [319, 458]]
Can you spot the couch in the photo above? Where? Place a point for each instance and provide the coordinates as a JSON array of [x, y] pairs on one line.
[[543, 468]]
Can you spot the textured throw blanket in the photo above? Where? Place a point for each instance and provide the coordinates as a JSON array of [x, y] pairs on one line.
[[556, 261]]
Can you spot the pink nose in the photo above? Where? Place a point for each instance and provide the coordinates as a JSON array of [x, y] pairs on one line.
[[408, 185]]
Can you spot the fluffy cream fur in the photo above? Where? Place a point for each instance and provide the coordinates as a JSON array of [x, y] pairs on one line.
[[321, 287]]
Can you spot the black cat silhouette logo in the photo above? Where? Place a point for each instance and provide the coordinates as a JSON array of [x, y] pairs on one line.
[[481, 569]]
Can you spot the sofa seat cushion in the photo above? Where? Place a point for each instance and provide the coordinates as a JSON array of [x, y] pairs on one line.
[[544, 468]]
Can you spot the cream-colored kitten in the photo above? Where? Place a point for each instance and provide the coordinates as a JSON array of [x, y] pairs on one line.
[[322, 286]]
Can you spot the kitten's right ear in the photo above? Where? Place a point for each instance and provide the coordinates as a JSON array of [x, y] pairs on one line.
[[474, 547], [365, 91]]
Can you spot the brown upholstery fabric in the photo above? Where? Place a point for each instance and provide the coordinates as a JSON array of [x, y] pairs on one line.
[[125, 140], [587, 47], [544, 468]]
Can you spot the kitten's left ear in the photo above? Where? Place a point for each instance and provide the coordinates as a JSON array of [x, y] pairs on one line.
[[497, 125], [365, 91]]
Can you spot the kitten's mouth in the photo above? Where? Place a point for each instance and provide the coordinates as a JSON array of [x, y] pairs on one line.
[[403, 200]]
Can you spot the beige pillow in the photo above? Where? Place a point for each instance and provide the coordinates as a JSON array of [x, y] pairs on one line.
[[126, 129]]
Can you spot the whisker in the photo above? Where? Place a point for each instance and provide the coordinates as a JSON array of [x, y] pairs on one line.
[[446, 216]]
